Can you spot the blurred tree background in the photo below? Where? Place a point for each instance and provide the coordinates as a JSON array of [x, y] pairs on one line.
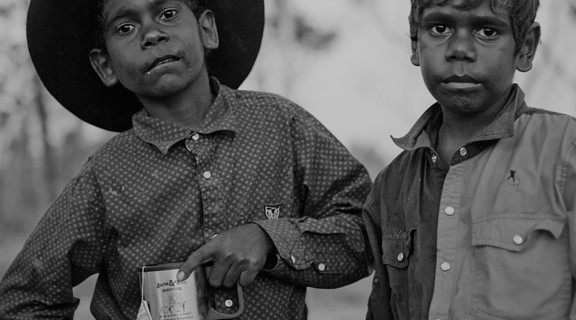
[[347, 61]]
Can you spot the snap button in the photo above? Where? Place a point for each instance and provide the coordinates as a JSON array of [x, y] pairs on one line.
[[195, 136], [400, 256], [293, 259], [321, 267], [518, 239], [463, 152], [228, 303], [207, 174], [449, 210], [434, 158], [188, 145], [214, 235], [445, 266]]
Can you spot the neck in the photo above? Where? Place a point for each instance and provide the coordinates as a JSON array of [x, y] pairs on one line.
[[461, 128], [458, 129], [187, 108]]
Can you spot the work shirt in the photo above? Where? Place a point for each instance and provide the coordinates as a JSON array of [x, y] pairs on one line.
[[158, 192], [491, 237]]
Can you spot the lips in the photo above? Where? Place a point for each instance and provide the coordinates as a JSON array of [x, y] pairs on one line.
[[460, 82], [160, 61]]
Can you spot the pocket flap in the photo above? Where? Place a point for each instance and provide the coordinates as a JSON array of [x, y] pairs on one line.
[[512, 232], [396, 248]]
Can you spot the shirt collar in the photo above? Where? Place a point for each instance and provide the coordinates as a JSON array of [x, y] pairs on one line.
[[426, 127], [164, 134]]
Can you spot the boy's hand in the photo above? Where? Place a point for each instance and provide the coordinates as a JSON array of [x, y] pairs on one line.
[[238, 256]]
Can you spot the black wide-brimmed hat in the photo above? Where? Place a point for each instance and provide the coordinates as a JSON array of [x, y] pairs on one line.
[[60, 35]]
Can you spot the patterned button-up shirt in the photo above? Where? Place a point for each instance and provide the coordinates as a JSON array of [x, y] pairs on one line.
[[492, 237], [157, 192]]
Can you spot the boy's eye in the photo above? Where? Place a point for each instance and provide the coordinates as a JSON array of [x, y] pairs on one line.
[[168, 14], [439, 30], [124, 28], [487, 33]]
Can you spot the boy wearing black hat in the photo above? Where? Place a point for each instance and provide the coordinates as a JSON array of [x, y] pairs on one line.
[[475, 218], [247, 181]]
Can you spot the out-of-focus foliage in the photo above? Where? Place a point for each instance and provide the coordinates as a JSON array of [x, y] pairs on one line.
[[41, 144], [553, 79], [19, 142]]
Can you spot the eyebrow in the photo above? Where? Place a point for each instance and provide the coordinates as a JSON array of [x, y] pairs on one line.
[[123, 12], [130, 12], [441, 17]]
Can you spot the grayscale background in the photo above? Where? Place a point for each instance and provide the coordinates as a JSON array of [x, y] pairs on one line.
[[346, 61]]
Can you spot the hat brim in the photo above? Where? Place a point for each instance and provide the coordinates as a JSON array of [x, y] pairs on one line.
[[60, 36]]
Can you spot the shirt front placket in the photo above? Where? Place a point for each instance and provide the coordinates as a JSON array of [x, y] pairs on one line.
[[203, 147], [454, 229], [447, 241]]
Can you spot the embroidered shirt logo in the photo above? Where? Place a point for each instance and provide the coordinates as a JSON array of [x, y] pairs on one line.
[[272, 211], [513, 177]]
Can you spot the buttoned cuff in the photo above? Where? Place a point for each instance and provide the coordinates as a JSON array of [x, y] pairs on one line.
[[288, 242]]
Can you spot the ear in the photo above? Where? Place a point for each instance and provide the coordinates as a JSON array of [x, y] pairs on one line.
[[528, 48], [415, 57], [101, 64], [208, 30]]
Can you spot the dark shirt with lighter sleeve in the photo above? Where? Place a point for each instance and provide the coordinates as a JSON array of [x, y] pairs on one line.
[[157, 192], [491, 236]]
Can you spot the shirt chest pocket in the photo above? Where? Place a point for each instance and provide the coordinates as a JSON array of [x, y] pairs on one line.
[[396, 255], [521, 263], [396, 249]]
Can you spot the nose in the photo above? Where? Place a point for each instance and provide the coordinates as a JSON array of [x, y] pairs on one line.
[[461, 46], [153, 35]]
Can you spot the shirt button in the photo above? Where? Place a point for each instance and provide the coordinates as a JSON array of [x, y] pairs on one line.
[[518, 239], [445, 266], [188, 146], [463, 152], [321, 267], [207, 174], [434, 158], [228, 303], [449, 210], [195, 137], [400, 256]]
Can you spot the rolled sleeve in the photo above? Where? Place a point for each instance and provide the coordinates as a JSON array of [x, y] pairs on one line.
[[317, 253]]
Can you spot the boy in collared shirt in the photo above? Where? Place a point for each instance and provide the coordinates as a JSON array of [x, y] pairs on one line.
[[475, 218], [201, 173]]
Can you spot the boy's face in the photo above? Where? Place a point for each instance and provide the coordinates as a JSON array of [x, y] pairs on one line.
[[155, 48], [468, 57]]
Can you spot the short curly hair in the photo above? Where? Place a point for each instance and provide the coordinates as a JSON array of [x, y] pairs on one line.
[[522, 13]]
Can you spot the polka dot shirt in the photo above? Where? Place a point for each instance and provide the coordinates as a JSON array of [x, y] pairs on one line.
[[157, 192]]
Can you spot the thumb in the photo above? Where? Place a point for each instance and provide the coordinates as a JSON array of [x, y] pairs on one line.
[[202, 255]]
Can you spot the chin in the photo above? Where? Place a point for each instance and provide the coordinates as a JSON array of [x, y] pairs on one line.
[[463, 105], [169, 86]]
